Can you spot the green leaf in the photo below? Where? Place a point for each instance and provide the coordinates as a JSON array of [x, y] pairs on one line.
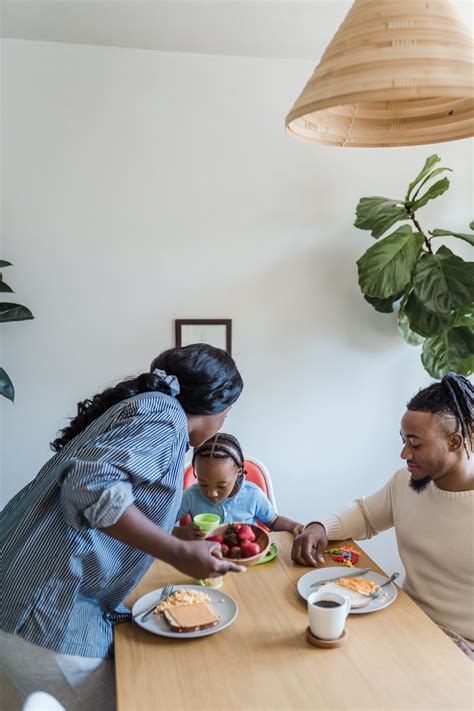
[[429, 163], [4, 286], [427, 179], [433, 192], [384, 306], [412, 338], [425, 323], [443, 282], [471, 225], [378, 214], [14, 312], [453, 350], [6, 386], [3, 263], [448, 233], [386, 268], [465, 318]]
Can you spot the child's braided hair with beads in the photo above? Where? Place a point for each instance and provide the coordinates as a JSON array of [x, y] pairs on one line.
[[221, 446]]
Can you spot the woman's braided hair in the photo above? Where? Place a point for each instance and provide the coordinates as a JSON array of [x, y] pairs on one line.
[[453, 395]]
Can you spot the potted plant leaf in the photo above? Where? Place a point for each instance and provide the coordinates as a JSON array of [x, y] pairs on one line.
[[9, 312], [430, 288]]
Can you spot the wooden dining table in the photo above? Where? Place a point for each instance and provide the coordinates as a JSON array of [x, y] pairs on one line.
[[395, 658]]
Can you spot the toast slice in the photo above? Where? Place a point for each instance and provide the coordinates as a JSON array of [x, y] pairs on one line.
[[357, 599], [360, 585], [191, 618]]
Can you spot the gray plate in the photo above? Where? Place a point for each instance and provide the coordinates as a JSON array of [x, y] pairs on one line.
[[223, 604], [388, 595]]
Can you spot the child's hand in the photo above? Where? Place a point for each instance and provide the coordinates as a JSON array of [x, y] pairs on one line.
[[197, 533], [191, 532], [299, 528]]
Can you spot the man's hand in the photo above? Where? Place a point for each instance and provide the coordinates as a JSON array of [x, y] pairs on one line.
[[298, 529], [203, 559], [309, 546]]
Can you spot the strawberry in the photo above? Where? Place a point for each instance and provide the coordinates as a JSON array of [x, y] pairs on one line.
[[246, 533], [231, 539], [217, 539], [249, 549], [235, 552], [225, 550]]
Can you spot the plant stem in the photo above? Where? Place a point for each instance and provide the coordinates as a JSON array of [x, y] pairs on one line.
[[418, 227]]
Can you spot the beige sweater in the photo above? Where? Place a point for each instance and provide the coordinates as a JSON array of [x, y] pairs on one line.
[[435, 536]]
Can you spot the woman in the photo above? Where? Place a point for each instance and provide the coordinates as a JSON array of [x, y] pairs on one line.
[[81, 535]]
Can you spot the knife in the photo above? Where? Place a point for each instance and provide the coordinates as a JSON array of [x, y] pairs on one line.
[[165, 593], [334, 580]]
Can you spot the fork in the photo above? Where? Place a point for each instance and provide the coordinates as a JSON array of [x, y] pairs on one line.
[[375, 595], [167, 590]]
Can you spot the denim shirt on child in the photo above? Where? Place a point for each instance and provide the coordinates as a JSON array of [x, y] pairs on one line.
[[247, 505]]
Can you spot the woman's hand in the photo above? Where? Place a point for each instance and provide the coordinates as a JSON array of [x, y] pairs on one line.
[[309, 546], [203, 559], [199, 559]]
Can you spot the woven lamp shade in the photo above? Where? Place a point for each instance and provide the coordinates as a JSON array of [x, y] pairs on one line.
[[396, 73]]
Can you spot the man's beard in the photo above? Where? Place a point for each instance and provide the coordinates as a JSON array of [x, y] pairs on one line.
[[419, 485]]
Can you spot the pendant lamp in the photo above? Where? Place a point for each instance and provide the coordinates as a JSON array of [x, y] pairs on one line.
[[396, 73]]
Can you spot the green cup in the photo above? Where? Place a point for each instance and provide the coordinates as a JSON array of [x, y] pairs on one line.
[[215, 583], [207, 522]]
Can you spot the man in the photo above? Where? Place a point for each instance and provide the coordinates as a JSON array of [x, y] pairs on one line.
[[430, 503]]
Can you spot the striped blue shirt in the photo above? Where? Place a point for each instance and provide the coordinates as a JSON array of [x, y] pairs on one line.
[[64, 581]]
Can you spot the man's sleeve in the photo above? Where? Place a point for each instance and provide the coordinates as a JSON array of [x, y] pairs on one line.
[[363, 518]]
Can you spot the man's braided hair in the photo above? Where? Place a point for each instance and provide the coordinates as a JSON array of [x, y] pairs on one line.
[[453, 395]]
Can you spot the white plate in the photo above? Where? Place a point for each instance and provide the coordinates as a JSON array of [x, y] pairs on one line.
[[223, 604], [388, 595]]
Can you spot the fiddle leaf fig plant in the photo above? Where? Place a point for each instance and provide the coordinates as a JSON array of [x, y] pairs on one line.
[[9, 312], [431, 289]]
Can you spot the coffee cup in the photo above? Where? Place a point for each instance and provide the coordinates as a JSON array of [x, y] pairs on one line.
[[327, 614]]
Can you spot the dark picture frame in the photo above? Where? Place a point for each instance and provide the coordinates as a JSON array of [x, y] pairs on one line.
[[214, 331]]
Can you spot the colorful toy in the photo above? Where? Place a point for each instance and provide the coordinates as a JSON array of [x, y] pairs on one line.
[[345, 555]]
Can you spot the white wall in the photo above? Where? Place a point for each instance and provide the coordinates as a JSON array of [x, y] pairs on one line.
[[146, 186]]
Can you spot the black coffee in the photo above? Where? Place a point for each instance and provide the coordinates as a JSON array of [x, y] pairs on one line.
[[326, 603]]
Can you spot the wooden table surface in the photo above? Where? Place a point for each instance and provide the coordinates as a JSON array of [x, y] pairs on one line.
[[394, 659]]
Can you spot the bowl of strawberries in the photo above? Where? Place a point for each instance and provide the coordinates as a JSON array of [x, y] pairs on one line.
[[246, 543]]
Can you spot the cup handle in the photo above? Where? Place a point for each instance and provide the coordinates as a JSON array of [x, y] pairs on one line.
[[348, 604]]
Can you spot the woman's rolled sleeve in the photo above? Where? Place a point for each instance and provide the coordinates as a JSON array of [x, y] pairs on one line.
[[94, 495], [97, 479], [110, 506]]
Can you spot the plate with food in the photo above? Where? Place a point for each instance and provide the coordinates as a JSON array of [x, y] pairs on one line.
[[345, 581], [190, 611]]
